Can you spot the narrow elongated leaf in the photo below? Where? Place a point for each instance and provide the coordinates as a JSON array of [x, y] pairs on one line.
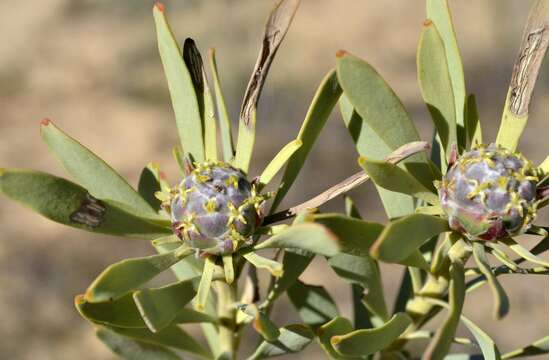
[[440, 345], [150, 182], [321, 106], [295, 261], [369, 341], [205, 284], [276, 28], [337, 326], [472, 122], [310, 237], [228, 268], [172, 336], [313, 303], [274, 267], [369, 144], [363, 271], [501, 301], [225, 125], [486, 344], [279, 161], [524, 253], [67, 203], [378, 106], [120, 278], [182, 91], [355, 236], [436, 86], [190, 316], [261, 323], [533, 47], [539, 347], [393, 178], [118, 313], [403, 236], [293, 338], [91, 172], [438, 12], [195, 65], [130, 349], [160, 306]]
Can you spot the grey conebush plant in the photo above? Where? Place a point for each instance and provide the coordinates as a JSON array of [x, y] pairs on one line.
[[467, 200]]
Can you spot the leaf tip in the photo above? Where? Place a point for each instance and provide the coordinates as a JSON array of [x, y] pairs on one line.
[[335, 340], [79, 300], [341, 53], [159, 6], [45, 122], [427, 23]]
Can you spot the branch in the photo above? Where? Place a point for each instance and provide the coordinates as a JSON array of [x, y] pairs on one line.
[[350, 183]]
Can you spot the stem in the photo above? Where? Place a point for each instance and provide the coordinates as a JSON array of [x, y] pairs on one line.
[[228, 336]]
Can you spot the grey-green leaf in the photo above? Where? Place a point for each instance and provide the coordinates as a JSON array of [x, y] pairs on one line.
[[120, 278], [403, 236], [539, 347], [337, 326], [91, 172], [435, 84], [310, 237], [130, 349], [369, 341], [67, 203], [182, 91], [293, 338], [313, 303]]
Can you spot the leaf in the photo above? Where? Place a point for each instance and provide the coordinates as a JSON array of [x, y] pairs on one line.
[[172, 336], [368, 143], [120, 278], [66, 203], [337, 326], [151, 181], [228, 268], [524, 253], [293, 338], [523, 79], [310, 237], [260, 262], [193, 61], [261, 323], [118, 313], [313, 303], [224, 119], [276, 28], [401, 237], [294, 263], [438, 12], [363, 271], [279, 161], [538, 347], [182, 91], [160, 306], [205, 283], [321, 106], [486, 344], [378, 106], [393, 178], [355, 236], [190, 316], [369, 341], [472, 122], [436, 86], [133, 350], [91, 172], [440, 345]]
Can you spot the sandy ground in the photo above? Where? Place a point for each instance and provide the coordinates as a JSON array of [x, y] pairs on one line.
[[92, 66]]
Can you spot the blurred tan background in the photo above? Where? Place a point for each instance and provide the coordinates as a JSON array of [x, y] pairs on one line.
[[93, 67]]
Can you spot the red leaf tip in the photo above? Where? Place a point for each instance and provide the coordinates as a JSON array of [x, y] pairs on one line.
[[427, 23], [341, 53], [160, 6], [45, 122]]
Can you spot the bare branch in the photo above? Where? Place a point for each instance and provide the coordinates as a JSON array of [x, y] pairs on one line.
[[346, 185]]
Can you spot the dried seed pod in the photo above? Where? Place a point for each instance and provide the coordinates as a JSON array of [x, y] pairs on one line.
[[489, 193]]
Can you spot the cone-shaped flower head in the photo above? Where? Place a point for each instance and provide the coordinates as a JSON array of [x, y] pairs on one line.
[[489, 193], [215, 209]]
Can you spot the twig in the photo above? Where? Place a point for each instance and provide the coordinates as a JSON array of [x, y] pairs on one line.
[[351, 182]]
